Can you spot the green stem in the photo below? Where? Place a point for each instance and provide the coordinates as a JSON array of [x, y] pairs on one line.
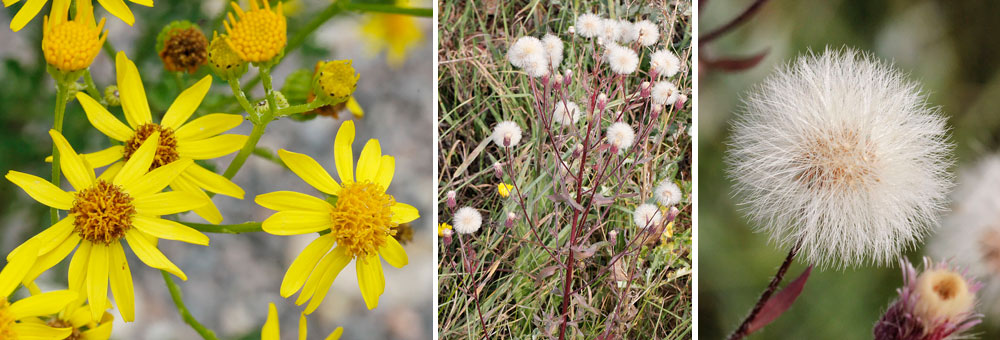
[[315, 104], [390, 9], [248, 147], [241, 97], [272, 106], [92, 87], [175, 293], [62, 91], [248, 227]]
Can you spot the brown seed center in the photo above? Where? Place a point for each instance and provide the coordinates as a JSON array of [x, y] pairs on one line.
[[165, 153], [103, 213], [841, 160]]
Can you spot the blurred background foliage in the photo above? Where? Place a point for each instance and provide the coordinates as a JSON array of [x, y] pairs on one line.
[[947, 46]]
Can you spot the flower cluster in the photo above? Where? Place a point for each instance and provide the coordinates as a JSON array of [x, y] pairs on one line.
[[935, 304]]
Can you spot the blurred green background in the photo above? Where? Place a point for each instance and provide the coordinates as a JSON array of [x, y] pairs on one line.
[[950, 47]]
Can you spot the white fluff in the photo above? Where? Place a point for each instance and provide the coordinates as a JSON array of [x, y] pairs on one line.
[[611, 31], [566, 113], [665, 63], [467, 220], [667, 193], [553, 49], [647, 215], [664, 93], [524, 50], [537, 67], [621, 135], [622, 60], [840, 152], [627, 31], [647, 33], [589, 25], [506, 130]]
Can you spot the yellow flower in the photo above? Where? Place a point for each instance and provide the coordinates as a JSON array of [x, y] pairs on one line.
[[72, 45], [76, 316], [442, 227], [272, 329], [335, 80], [18, 320], [31, 8], [395, 33], [260, 34], [361, 221], [103, 211], [504, 189], [179, 139]]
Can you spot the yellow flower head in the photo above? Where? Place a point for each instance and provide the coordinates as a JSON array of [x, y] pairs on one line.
[[31, 8], [272, 328], [442, 227], [72, 45], [179, 139], [335, 80], [260, 34], [76, 316], [122, 205], [223, 60], [394, 33], [504, 189], [18, 319], [362, 220]]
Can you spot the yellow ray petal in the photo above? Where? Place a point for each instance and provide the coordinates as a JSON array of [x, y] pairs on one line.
[[103, 157], [212, 182], [393, 253], [186, 103], [322, 277], [303, 327], [295, 222], [52, 258], [78, 267], [48, 239], [130, 89], [79, 174], [343, 153], [290, 200], [207, 126], [386, 169], [147, 3], [154, 181], [403, 213], [40, 331], [41, 190], [15, 269], [271, 329], [151, 256], [171, 202], [42, 304], [110, 172], [27, 12], [209, 211], [355, 108], [370, 279], [368, 163], [119, 9], [304, 264], [121, 283], [102, 332], [103, 120], [212, 147], [337, 333], [310, 171], [97, 279], [139, 163], [169, 230]]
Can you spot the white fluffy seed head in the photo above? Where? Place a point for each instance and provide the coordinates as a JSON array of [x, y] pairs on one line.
[[621, 135], [664, 63], [589, 25], [467, 220], [647, 215], [664, 93], [841, 153], [611, 31], [667, 193], [506, 133], [525, 50], [627, 31], [566, 113], [647, 33], [537, 67], [553, 49], [622, 60]]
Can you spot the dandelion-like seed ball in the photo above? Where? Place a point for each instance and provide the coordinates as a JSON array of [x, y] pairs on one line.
[[664, 63], [467, 220], [525, 50], [566, 113], [664, 93], [627, 32], [506, 134], [621, 135], [553, 49], [839, 152], [647, 215], [611, 31], [589, 25], [647, 33], [622, 60], [667, 193]]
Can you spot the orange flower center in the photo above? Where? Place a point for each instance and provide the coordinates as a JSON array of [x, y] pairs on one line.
[[165, 153], [103, 213], [6, 321], [362, 218]]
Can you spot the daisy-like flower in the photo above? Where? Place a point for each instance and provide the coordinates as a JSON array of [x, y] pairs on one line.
[[664, 63], [621, 135], [19, 320], [839, 152], [566, 113], [76, 316], [504, 189], [553, 49], [31, 8], [123, 205], [664, 93], [937, 304], [72, 45], [272, 327], [394, 33], [179, 139], [589, 25], [667, 193], [467, 220], [526, 50], [506, 134], [647, 215], [361, 221], [622, 60], [260, 34], [647, 33]]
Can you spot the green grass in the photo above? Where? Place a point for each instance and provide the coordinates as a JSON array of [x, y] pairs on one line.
[[521, 283]]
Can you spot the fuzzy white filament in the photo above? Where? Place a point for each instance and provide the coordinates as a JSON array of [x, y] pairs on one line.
[[841, 153], [664, 93], [621, 135], [647, 33], [647, 215], [467, 220], [667, 193], [566, 113], [622, 60], [589, 25], [664, 63], [525, 50], [611, 31], [627, 31], [553, 49], [506, 133]]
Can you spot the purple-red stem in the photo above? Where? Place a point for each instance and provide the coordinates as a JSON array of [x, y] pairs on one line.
[[744, 328]]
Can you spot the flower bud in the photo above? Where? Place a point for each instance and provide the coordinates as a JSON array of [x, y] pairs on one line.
[[511, 216], [223, 61], [613, 236], [681, 100], [568, 77], [335, 81], [572, 30], [602, 102], [111, 96], [498, 169], [451, 199], [280, 101], [644, 89], [657, 109], [182, 47]]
